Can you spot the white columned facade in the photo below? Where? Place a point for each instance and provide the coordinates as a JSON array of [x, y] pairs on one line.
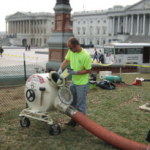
[[137, 30], [143, 24], [131, 33]]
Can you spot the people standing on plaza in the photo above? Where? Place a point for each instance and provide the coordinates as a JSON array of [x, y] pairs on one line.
[[95, 55], [80, 62], [100, 56], [29, 47], [26, 47], [1, 51]]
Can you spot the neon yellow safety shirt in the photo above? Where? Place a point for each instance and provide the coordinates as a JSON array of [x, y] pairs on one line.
[[79, 61]]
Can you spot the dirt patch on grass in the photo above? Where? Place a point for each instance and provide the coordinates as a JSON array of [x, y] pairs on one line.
[[11, 98]]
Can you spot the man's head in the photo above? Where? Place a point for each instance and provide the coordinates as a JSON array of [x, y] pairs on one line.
[[73, 45]]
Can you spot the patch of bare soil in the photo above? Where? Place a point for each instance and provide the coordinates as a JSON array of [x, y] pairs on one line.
[[11, 98]]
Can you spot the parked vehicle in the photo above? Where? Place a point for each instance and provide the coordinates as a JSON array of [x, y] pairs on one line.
[[87, 46], [83, 45], [90, 46]]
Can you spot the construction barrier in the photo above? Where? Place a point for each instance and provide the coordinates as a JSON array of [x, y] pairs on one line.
[[20, 56]]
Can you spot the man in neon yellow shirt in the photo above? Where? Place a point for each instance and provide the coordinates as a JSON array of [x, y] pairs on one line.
[[80, 62]]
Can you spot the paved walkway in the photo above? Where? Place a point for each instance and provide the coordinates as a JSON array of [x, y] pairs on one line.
[[12, 57]]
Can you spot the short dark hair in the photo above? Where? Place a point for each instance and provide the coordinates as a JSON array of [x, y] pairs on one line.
[[73, 41]]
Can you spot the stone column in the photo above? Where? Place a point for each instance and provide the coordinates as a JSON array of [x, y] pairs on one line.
[[33, 26], [20, 26], [126, 27], [43, 26], [118, 23], [108, 26], [143, 24], [40, 27], [87, 28], [6, 27], [10, 27], [29, 26], [137, 30], [17, 26], [149, 25], [23, 27], [26, 26], [36, 27], [131, 33], [113, 26]]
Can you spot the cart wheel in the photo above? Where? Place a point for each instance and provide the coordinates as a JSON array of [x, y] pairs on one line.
[[54, 130], [25, 122]]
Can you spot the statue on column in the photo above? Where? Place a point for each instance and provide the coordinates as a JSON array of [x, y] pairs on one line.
[[66, 2]]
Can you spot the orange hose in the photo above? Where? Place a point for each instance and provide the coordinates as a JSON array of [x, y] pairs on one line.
[[106, 135]]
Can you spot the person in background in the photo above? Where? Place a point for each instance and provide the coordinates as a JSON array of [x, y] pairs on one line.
[[26, 47], [29, 47], [1, 51], [80, 62], [95, 55], [100, 56]]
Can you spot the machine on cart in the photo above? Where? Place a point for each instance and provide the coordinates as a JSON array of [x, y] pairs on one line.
[[43, 95]]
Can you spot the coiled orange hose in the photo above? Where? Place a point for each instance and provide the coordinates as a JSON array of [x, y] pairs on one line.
[[106, 135]]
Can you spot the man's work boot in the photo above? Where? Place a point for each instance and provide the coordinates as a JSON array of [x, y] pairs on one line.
[[71, 123], [77, 127]]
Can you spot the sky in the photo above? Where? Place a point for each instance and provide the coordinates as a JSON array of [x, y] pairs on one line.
[[9, 7]]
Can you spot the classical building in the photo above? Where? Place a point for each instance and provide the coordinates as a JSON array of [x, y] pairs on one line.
[[29, 28], [123, 24], [117, 24]]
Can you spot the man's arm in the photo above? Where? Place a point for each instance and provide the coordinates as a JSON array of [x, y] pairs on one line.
[[84, 71], [64, 63]]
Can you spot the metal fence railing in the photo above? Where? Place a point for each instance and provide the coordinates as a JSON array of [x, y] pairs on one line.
[[12, 82]]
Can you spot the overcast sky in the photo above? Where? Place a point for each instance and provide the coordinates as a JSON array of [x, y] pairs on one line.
[[12, 6]]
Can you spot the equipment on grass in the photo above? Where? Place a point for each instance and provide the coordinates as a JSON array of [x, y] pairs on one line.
[[115, 79], [43, 95]]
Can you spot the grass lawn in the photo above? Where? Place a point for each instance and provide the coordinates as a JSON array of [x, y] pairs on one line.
[[116, 110]]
